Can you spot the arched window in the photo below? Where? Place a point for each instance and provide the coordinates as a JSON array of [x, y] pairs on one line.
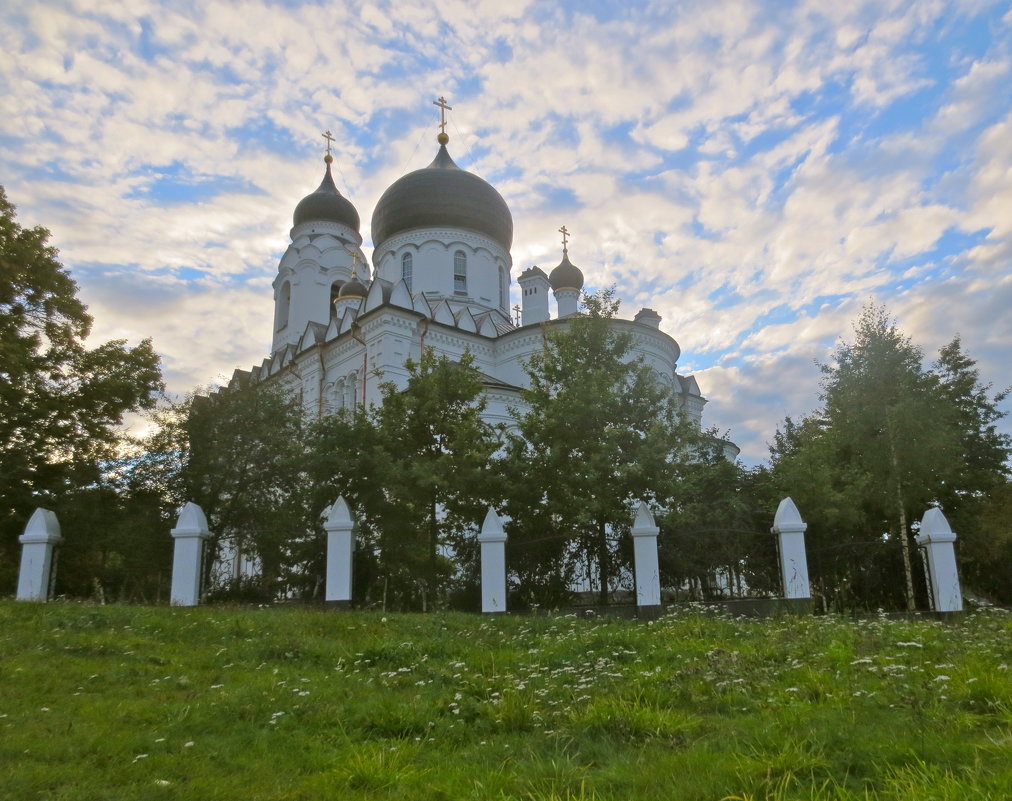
[[460, 271], [351, 391], [502, 288], [406, 268], [284, 304]]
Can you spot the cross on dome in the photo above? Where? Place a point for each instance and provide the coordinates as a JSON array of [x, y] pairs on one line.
[[328, 158], [443, 108], [565, 239]]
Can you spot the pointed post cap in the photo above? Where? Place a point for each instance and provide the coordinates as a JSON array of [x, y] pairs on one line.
[[191, 522], [42, 527], [339, 515], [788, 518], [644, 524], [491, 529], [935, 528]]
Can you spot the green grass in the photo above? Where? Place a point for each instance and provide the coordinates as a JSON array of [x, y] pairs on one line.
[[219, 703]]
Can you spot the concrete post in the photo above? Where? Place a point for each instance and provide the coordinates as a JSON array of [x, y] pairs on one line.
[[340, 553], [190, 534], [790, 531], [645, 563], [493, 563], [38, 543], [936, 538]]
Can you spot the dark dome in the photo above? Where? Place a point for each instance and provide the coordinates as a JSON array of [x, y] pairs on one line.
[[326, 204], [441, 195], [353, 288], [567, 275]]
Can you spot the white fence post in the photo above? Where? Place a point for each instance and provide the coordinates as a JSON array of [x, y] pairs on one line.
[[790, 531], [493, 563], [190, 534], [340, 553], [645, 562], [38, 543], [936, 538]]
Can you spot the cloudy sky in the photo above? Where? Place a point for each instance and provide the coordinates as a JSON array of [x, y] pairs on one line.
[[754, 171]]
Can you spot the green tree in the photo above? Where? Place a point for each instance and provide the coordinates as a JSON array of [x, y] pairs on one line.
[[438, 479], [891, 438], [709, 526], [597, 430], [888, 420], [978, 478], [346, 457], [240, 454], [61, 403]]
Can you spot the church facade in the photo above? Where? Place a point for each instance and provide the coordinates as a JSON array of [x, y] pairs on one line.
[[440, 278]]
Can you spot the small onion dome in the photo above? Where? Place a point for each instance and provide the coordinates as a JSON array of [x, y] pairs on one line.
[[326, 204], [567, 275], [353, 288], [442, 195]]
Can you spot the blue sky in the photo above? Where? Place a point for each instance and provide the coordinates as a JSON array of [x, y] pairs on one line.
[[754, 171]]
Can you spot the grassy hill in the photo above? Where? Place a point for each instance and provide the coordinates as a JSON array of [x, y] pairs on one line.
[[219, 703]]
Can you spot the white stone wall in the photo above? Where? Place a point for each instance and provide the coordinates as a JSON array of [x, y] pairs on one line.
[[488, 266]]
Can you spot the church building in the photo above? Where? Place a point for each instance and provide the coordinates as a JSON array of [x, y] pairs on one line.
[[440, 278]]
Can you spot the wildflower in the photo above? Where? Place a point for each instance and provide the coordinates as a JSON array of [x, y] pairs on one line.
[[140, 756], [188, 744]]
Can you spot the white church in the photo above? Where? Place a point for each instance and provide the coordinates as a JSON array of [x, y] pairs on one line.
[[440, 279]]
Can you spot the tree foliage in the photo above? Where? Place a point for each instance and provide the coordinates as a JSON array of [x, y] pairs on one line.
[[976, 494], [891, 438], [711, 544], [597, 430], [61, 402], [416, 470]]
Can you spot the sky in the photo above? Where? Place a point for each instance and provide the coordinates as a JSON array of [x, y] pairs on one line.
[[756, 172]]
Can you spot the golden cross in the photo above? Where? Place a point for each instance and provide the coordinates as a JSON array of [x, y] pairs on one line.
[[442, 112], [330, 138], [565, 239]]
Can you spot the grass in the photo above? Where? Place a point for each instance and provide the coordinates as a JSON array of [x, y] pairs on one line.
[[121, 702]]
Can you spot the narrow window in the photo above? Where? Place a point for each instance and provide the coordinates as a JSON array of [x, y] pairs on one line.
[[406, 268], [284, 305], [460, 271], [502, 288]]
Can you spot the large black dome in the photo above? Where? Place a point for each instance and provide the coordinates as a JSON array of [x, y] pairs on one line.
[[326, 204], [441, 195]]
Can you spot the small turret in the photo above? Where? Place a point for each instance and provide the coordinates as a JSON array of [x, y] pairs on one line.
[[533, 296]]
